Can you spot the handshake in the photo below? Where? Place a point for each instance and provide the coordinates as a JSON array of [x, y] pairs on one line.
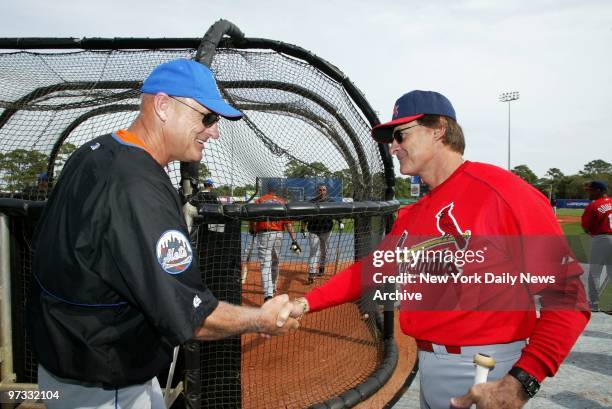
[[279, 315]]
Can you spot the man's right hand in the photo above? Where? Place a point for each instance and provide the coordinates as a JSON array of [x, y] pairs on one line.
[[274, 316]]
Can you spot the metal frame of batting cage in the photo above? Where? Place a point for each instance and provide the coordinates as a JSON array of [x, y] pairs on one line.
[[206, 51], [206, 47], [234, 214], [11, 210]]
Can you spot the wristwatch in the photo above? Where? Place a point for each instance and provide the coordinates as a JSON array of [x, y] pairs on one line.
[[530, 385]]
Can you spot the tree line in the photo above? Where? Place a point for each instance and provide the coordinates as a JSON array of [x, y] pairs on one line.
[[19, 169], [556, 185]]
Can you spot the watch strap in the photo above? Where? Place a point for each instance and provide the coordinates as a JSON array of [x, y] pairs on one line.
[[530, 385]]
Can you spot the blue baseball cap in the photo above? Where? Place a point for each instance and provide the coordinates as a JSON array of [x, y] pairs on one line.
[[598, 185], [41, 177], [208, 182], [189, 79], [411, 106]]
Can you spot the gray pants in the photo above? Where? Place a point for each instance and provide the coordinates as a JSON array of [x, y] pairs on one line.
[[76, 396], [444, 376], [318, 251], [601, 255], [269, 250]]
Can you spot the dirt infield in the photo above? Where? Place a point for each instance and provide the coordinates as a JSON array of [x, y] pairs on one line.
[[334, 350], [568, 219]]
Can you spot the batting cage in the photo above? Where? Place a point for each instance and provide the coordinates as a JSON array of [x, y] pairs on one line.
[[303, 121]]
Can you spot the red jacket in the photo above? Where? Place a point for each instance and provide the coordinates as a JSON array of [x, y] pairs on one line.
[[597, 217], [480, 200]]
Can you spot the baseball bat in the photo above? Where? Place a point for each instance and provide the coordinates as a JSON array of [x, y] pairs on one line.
[[189, 212], [245, 268], [484, 363], [338, 249], [171, 375]]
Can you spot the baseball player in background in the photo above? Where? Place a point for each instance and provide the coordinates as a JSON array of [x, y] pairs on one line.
[[468, 199], [269, 241], [40, 191], [320, 229], [597, 222], [207, 195], [116, 284]]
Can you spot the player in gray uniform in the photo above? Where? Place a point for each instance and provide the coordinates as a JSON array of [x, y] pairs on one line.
[[320, 231]]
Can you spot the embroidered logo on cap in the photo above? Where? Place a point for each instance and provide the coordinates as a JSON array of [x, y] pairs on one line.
[[174, 252]]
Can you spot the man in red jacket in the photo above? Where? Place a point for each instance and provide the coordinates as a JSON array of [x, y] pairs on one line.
[[597, 221], [512, 238]]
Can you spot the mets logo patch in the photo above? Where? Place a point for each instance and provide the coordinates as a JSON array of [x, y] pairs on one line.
[[174, 252]]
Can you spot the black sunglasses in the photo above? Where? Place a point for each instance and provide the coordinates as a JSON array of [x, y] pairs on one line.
[[208, 119], [398, 135]]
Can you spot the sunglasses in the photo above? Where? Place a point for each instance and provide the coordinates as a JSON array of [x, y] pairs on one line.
[[398, 135], [208, 119]]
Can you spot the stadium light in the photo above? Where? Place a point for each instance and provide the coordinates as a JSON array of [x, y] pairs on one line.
[[509, 97]]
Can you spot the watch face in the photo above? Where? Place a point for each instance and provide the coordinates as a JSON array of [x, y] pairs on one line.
[[532, 387]]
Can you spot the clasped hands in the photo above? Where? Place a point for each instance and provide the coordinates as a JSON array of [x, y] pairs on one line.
[[279, 315]]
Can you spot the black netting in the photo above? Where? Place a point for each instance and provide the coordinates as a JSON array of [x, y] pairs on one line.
[[293, 371], [299, 123], [53, 102]]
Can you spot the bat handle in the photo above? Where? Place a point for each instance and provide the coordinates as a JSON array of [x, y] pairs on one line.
[[481, 374], [484, 363], [245, 272]]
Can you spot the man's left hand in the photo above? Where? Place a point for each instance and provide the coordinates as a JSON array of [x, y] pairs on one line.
[[505, 393]]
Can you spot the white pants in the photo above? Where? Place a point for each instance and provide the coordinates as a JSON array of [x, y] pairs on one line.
[[443, 376], [268, 250], [75, 396], [601, 255], [318, 251]]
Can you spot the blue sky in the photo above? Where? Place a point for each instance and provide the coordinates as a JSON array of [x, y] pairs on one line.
[[555, 53]]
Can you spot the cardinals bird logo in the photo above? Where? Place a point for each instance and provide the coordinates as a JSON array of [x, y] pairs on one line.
[[447, 225], [450, 233]]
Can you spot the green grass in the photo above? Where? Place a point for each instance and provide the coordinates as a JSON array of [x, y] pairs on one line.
[[570, 212], [579, 241]]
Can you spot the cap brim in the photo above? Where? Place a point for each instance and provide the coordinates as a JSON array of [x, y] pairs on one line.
[[383, 133], [218, 106]]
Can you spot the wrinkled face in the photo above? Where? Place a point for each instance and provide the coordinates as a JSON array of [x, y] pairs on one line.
[[187, 133], [414, 146]]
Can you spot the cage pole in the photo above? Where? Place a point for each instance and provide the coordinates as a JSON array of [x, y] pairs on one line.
[[6, 336]]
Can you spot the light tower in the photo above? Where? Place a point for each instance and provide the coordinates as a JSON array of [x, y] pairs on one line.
[[509, 97]]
